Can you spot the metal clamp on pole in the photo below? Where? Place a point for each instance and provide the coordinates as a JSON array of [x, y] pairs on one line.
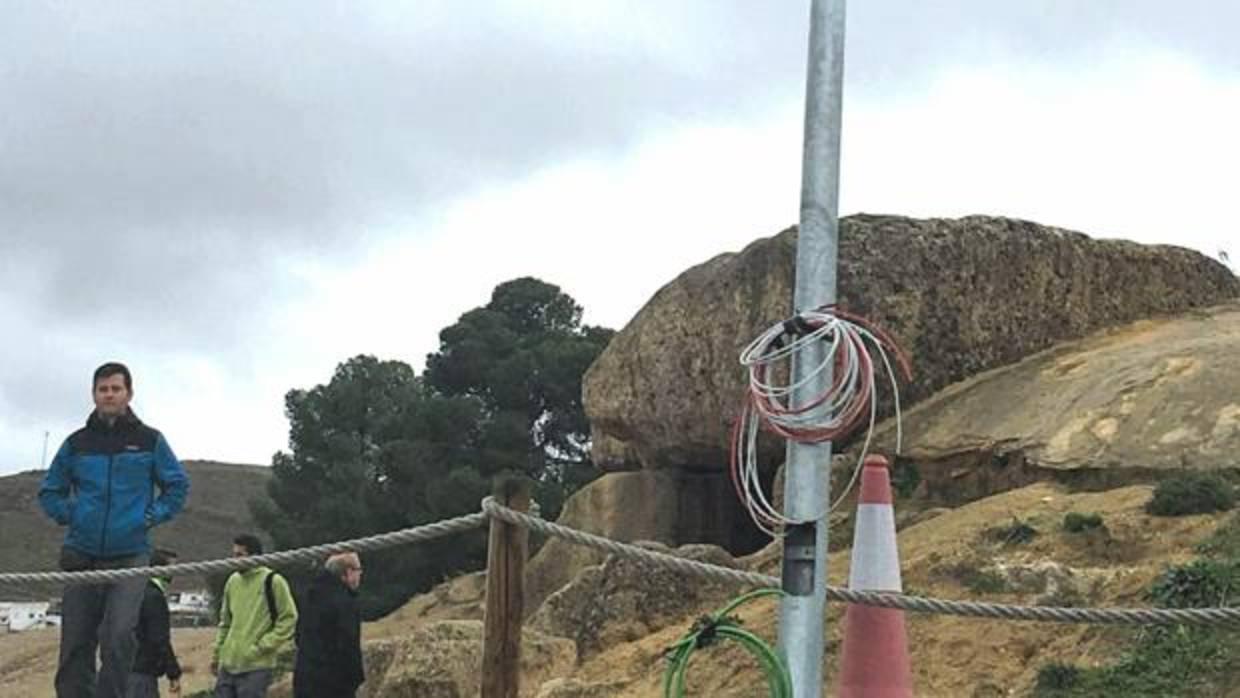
[[800, 554]]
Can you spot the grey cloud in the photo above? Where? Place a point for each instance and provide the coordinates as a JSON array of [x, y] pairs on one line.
[[160, 162], [191, 139], [169, 158], [893, 43], [44, 377]]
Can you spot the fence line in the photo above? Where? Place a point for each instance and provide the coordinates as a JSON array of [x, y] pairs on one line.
[[416, 534], [491, 508]]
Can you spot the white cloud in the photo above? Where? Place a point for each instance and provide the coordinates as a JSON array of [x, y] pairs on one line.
[[1140, 146]]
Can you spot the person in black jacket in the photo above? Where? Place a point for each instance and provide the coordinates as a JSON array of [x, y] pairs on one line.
[[155, 657], [329, 633]]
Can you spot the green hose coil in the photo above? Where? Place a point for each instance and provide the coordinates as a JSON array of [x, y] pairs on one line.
[[720, 625]]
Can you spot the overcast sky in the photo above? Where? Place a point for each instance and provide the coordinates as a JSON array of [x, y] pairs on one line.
[[233, 197]]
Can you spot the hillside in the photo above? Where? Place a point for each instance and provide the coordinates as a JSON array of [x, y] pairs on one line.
[[949, 556], [217, 509]]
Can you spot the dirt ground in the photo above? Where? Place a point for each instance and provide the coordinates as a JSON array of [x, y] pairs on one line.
[[28, 661]]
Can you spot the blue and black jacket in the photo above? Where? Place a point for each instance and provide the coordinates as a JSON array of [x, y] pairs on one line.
[[102, 486]]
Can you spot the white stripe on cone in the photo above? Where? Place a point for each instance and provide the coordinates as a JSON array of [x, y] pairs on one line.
[[875, 560], [875, 661]]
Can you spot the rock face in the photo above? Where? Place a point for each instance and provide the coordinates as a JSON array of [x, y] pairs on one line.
[[443, 660], [960, 296], [1118, 406], [624, 600], [459, 598], [674, 507]]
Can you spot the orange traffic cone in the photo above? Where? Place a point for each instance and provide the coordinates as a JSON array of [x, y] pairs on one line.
[[875, 661]]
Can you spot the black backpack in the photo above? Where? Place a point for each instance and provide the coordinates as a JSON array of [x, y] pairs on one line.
[[271, 595]]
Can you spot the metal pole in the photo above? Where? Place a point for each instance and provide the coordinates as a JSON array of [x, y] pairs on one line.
[[43, 466], [807, 485]]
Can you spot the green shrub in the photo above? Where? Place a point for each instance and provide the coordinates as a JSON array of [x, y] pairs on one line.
[[905, 477], [1173, 660], [1198, 584], [1057, 676], [1191, 493], [1075, 522], [981, 581], [1165, 660]]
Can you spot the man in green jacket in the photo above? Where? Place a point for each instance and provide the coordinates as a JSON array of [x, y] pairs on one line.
[[257, 621]]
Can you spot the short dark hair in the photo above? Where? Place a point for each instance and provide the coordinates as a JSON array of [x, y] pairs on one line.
[[250, 542], [162, 556], [113, 368]]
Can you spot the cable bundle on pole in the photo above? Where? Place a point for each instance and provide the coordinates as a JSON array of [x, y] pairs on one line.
[[850, 343], [720, 625]]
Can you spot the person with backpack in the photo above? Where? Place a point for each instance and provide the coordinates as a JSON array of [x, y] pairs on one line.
[[155, 656], [329, 633], [258, 618]]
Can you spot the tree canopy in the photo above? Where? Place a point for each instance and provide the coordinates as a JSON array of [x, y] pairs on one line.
[[522, 356], [379, 447]]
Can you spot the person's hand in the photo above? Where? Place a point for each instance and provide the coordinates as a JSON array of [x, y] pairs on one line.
[[174, 687]]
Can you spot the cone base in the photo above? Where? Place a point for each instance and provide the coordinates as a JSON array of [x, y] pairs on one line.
[[875, 661]]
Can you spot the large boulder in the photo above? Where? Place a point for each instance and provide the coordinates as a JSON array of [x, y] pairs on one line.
[[625, 599], [674, 507], [960, 296]]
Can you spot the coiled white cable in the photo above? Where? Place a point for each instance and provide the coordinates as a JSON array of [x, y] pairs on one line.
[[832, 414]]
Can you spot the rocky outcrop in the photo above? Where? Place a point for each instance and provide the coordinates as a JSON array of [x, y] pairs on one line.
[[443, 660], [961, 296], [672, 507], [1118, 406], [625, 599], [459, 598]]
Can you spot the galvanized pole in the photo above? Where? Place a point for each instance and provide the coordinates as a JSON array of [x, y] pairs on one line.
[[807, 486]]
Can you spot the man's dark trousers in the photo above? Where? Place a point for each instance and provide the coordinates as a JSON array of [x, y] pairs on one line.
[[103, 617]]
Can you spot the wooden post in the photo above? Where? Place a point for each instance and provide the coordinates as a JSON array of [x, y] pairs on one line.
[[507, 549]]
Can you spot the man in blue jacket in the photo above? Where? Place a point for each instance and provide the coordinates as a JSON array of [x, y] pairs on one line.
[[102, 486]]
